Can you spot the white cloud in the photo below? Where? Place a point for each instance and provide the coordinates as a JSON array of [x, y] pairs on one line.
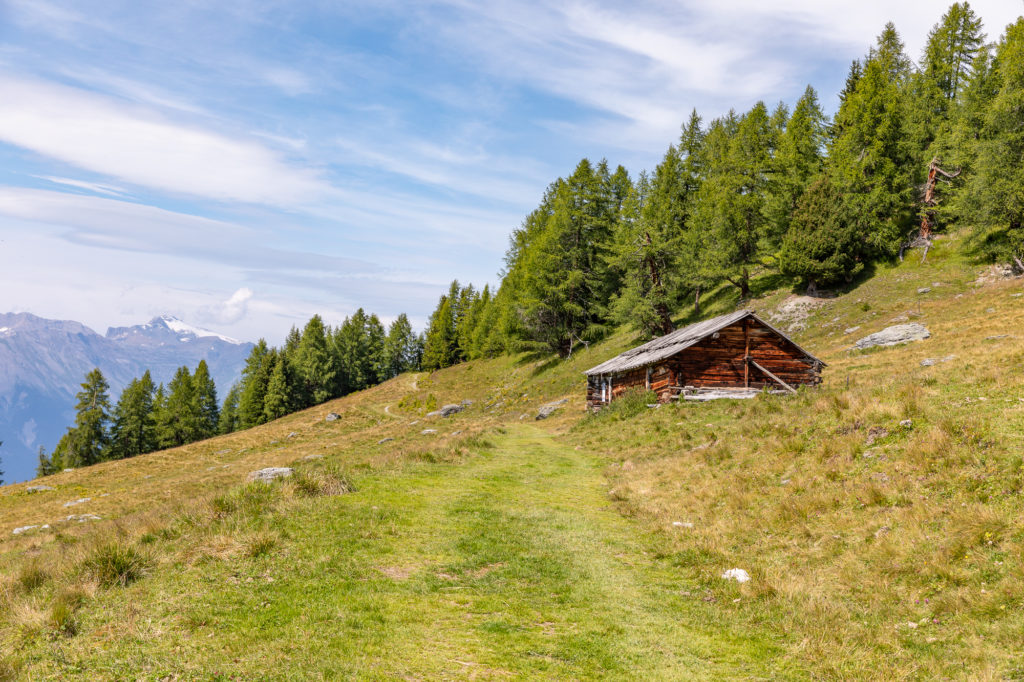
[[230, 311], [140, 147], [98, 187]]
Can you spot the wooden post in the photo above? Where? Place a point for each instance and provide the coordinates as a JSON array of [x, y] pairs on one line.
[[746, 354], [777, 380]]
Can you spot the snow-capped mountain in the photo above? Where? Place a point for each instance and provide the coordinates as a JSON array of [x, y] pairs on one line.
[[165, 329], [42, 363]]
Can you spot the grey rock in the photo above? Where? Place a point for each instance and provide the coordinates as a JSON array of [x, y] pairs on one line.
[[924, 290], [907, 423], [456, 433], [72, 503], [384, 440], [467, 403], [38, 488], [223, 452], [447, 410], [996, 337], [549, 409], [929, 361], [895, 335], [1016, 295], [291, 435], [332, 416], [427, 432], [850, 330], [310, 458], [82, 518], [270, 474], [25, 529]]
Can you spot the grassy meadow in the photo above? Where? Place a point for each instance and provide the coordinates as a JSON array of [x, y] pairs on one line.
[[579, 547]]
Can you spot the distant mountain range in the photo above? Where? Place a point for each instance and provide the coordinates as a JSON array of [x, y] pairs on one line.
[[42, 363]]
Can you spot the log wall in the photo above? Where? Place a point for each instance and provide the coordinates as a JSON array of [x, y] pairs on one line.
[[718, 363]]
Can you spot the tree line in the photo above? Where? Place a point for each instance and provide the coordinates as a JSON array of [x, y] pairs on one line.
[[783, 191], [314, 365], [146, 417]]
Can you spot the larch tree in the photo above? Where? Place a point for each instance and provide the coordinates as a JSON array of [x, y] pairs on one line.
[[132, 432]]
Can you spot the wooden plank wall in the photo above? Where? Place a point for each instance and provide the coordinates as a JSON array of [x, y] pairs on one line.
[[718, 363]]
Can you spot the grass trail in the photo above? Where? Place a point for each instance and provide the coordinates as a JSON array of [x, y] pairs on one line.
[[508, 564]]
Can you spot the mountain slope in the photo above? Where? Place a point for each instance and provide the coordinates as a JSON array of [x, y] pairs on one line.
[[42, 363], [491, 547]]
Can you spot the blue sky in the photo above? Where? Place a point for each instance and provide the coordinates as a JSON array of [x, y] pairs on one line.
[[244, 164]]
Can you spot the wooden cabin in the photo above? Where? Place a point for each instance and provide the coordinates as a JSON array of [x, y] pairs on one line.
[[735, 355]]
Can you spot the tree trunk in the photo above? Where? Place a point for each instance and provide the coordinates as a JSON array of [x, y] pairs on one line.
[[696, 301]]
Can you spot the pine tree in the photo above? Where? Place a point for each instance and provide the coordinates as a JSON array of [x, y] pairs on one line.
[[46, 465], [228, 421], [375, 342], [797, 161], [997, 188], [441, 343], [206, 401], [255, 378], [823, 246], [315, 369], [869, 160], [87, 442], [181, 420], [563, 275], [133, 429], [400, 347], [278, 401], [733, 196]]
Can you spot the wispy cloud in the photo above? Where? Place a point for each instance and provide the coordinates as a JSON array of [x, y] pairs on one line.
[[140, 147]]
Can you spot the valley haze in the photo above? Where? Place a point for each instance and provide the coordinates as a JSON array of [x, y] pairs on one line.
[[43, 362]]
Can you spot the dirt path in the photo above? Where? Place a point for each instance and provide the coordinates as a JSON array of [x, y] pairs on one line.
[[509, 564]]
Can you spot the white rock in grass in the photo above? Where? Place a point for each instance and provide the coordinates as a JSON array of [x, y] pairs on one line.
[[682, 524], [38, 488], [25, 529], [737, 574], [72, 503], [895, 335], [427, 432], [332, 416], [82, 518], [271, 473]]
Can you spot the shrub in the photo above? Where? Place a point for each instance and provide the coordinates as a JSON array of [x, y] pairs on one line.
[[628, 405], [31, 576], [330, 481], [115, 564], [260, 544], [61, 618]]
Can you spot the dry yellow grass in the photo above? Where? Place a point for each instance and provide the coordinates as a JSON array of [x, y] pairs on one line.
[[876, 550]]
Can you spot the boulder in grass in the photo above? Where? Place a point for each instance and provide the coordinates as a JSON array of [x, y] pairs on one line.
[[737, 574], [894, 336], [38, 488], [271, 474], [447, 411], [546, 411], [384, 440], [332, 416]]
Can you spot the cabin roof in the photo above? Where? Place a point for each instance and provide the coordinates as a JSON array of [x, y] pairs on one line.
[[674, 342]]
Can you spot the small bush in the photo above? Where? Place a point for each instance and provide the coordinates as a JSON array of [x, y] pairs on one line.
[[328, 482], [61, 618], [628, 405], [115, 564], [252, 499], [260, 544], [31, 576]]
